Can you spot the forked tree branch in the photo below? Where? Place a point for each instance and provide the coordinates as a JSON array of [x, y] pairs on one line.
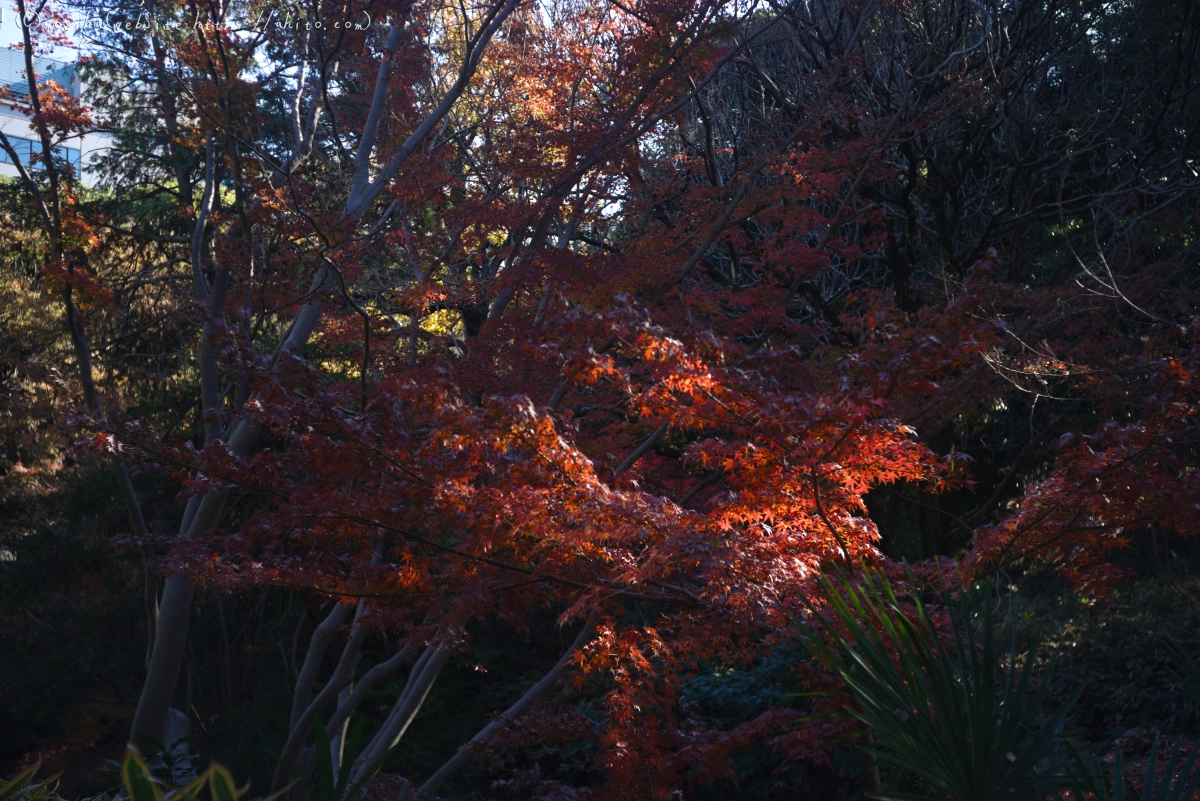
[[464, 754]]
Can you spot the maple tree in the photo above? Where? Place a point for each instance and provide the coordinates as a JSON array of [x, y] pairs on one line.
[[646, 312]]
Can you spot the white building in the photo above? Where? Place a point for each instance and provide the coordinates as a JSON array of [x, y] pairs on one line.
[[14, 122]]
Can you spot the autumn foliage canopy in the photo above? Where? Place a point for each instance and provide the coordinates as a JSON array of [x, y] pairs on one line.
[[649, 313]]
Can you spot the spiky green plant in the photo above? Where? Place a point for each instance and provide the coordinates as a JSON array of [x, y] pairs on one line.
[[965, 719], [140, 784], [22, 787], [1103, 783]]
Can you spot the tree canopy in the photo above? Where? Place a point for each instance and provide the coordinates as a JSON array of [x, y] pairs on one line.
[[642, 314]]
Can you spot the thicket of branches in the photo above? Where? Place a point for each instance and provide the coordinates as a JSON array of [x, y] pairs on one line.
[[575, 340]]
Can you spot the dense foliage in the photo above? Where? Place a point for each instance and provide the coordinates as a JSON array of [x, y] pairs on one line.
[[513, 372]]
